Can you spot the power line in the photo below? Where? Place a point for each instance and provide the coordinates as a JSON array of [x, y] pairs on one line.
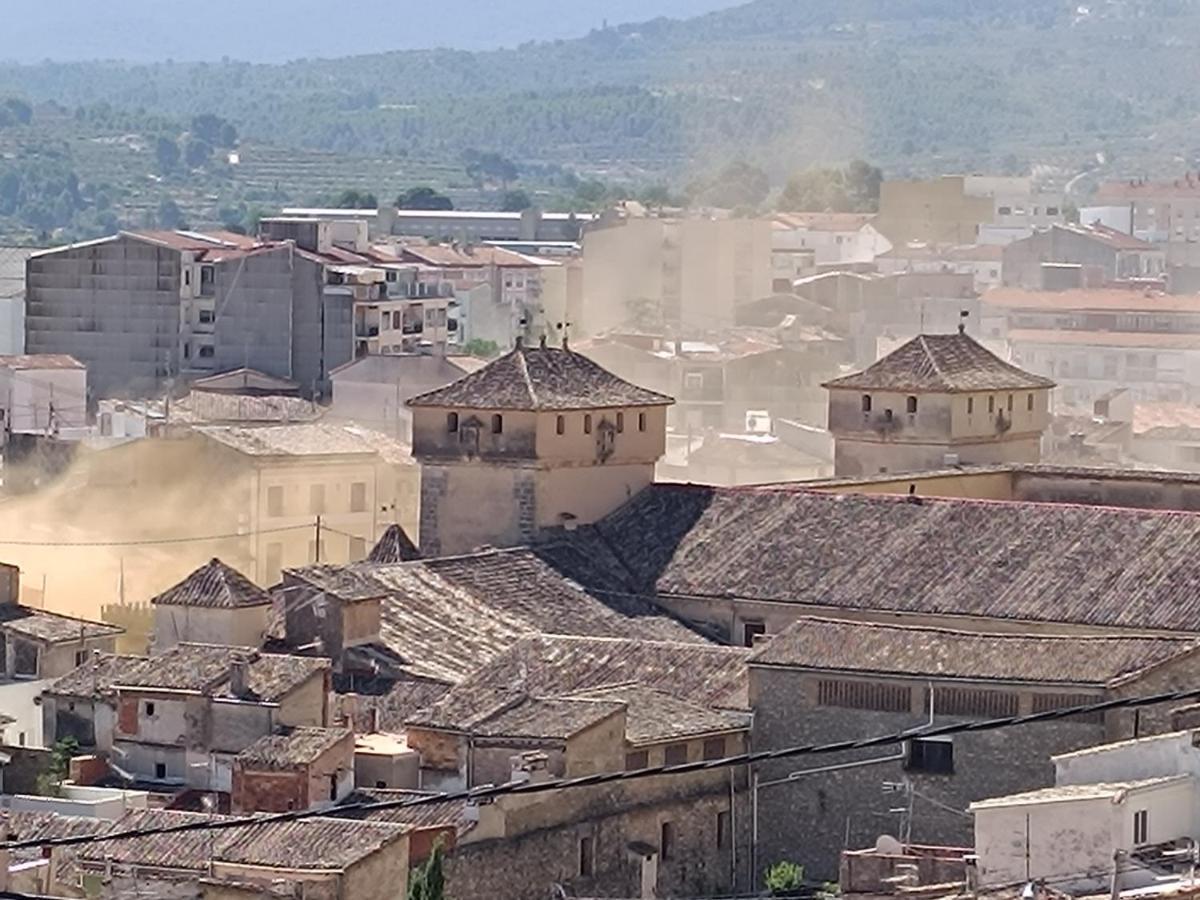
[[153, 541], [489, 791]]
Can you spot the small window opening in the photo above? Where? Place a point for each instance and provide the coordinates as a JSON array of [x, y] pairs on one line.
[[451, 422], [497, 424], [560, 425], [866, 402], [911, 404]]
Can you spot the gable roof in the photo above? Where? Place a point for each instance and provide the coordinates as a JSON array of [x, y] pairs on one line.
[[243, 379], [653, 715], [541, 378], [307, 439], [216, 586], [1046, 562], [500, 713], [51, 628], [291, 747], [206, 668], [393, 547], [943, 363], [554, 665], [827, 644], [443, 618], [440, 813]]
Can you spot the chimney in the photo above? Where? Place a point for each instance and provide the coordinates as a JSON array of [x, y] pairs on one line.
[[239, 672], [530, 767]]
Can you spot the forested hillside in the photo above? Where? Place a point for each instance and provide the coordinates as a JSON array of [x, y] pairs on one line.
[[916, 86]]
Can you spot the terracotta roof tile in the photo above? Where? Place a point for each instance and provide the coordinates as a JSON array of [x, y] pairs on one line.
[[206, 668], [51, 627], [1090, 565], [216, 586], [445, 813], [291, 747], [941, 363], [393, 547], [653, 715], [541, 378], [1091, 299], [826, 644]]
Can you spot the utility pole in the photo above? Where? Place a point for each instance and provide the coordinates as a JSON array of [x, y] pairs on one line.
[[317, 550]]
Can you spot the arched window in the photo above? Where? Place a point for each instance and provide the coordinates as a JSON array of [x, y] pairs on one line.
[[620, 422], [451, 422], [1029, 402], [560, 425], [497, 424], [866, 402], [911, 404], [587, 423], [641, 421]]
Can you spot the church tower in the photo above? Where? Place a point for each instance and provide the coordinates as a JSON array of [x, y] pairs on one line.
[[539, 438]]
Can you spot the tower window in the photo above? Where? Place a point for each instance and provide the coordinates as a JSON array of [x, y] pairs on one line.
[[1029, 403], [866, 402], [451, 422], [641, 421], [620, 422], [1010, 402], [560, 424], [991, 404], [497, 424], [587, 423], [970, 405], [911, 404]]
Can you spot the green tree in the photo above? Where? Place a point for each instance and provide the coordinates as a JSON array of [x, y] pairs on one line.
[[423, 197], [170, 215], [352, 199], [49, 782], [738, 184], [515, 201], [784, 878], [428, 882], [196, 152], [166, 153], [852, 189], [489, 166]]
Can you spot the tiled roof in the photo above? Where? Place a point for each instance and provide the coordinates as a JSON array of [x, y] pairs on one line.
[[824, 221], [97, 675], [205, 668], [541, 378], [316, 843], [242, 379], [653, 715], [941, 363], [501, 713], [1090, 565], [1092, 299], [812, 643], [51, 627], [395, 546], [309, 439], [559, 666], [396, 706], [291, 747], [1093, 791], [324, 842], [444, 813], [446, 617], [216, 586], [213, 407], [45, 826]]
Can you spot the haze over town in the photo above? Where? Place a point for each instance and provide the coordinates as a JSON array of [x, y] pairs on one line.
[[686, 449]]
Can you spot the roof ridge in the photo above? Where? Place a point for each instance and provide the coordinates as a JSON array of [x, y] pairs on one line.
[[1183, 639], [931, 356], [523, 368]]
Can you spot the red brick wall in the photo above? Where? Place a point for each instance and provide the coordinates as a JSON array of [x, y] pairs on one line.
[[127, 716], [422, 841], [87, 770], [268, 791]]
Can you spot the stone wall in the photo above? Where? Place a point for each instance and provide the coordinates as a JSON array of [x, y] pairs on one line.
[[812, 819]]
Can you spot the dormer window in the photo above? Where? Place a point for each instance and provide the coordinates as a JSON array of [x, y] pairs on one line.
[[497, 424], [866, 402], [451, 422]]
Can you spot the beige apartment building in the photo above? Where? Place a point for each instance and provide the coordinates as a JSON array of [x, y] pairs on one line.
[[939, 400], [693, 272], [540, 438]]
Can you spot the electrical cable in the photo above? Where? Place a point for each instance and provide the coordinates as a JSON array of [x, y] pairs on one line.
[[154, 541], [491, 791]]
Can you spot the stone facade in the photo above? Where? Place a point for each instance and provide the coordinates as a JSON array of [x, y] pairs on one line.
[[810, 820]]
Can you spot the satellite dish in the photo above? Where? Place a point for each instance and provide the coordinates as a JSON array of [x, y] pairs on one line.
[[888, 845]]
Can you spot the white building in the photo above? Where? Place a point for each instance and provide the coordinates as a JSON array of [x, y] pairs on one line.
[[1130, 801], [43, 394], [833, 238]]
